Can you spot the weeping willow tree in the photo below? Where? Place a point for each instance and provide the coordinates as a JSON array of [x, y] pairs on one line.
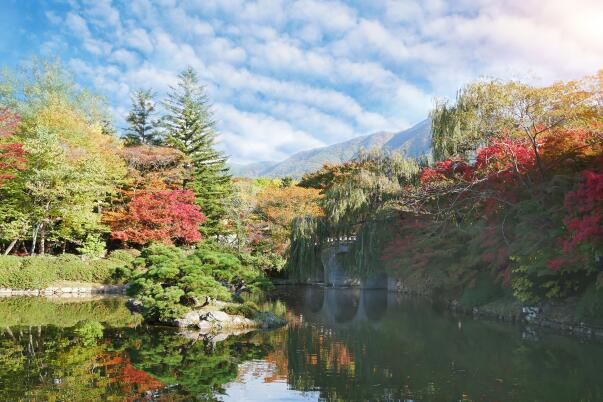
[[458, 128], [486, 109], [356, 206]]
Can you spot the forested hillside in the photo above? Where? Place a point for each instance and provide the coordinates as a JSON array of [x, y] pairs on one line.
[[511, 208]]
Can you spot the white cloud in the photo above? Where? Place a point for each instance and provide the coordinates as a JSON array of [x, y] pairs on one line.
[[139, 39], [288, 75], [255, 136]]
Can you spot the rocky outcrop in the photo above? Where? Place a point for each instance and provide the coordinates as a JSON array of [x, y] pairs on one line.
[[212, 319]]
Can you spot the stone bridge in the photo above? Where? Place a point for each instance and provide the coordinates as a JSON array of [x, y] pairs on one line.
[[345, 306], [334, 273]]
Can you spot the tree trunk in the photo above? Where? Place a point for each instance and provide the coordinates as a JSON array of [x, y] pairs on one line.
[[34, 238], [42, 239], [10, 246]]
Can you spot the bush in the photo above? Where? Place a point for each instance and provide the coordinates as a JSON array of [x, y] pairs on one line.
[[41, 271], [248, 309], [174, 281], [125, 255]]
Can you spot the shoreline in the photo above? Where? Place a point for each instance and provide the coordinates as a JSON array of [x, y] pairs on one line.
[[551, 316]]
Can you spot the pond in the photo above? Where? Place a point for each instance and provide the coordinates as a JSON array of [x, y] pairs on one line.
[[339, 345]]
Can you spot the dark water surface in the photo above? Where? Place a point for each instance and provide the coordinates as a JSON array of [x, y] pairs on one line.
[[339, 345]]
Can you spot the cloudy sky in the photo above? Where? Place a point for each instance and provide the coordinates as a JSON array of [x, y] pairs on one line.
[[289, 75]]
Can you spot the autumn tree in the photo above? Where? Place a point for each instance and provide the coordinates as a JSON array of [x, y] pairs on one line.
[[166, 216], [277, 206], [191, 129], [72, 168], [12, 155], [490, 109], [142, 126], [155, 167]]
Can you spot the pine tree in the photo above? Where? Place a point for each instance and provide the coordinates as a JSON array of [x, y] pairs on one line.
[[142, 128], [191, 129]]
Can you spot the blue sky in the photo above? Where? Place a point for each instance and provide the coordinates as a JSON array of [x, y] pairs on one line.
[[289, 75]]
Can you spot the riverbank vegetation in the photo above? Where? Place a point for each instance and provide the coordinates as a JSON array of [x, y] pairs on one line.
[[510, 205]]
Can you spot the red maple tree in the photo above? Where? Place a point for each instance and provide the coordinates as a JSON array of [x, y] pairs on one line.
[[12, 155], [167, 216]]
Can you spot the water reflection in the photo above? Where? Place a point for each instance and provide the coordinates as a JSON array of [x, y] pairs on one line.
[[339, 345]]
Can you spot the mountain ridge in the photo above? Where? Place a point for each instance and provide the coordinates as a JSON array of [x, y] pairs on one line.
[[414, 141]]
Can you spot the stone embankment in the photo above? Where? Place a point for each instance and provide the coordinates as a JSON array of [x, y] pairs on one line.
[[57, 291], [557, 316]]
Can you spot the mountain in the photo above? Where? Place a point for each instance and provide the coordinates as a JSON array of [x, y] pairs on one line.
[[250, 170], [415, 141]]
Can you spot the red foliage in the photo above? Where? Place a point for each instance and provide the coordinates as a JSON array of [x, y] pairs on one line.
[[12, 155], [447, 170], [163, 216], [505, 157], [132, 382], [585, 205]]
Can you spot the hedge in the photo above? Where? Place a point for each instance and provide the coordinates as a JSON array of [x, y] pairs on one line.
[[42, 271]]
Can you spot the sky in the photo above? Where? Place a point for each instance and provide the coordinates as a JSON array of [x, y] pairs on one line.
[[291, 75]]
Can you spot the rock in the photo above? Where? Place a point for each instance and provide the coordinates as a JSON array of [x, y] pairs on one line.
[[134, 306], [204, 327], [190, 319], [216, 316], [270, 320]]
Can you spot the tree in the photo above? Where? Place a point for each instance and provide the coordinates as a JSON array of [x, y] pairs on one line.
[[142, 128], [155, 167], [12, 155], [165, 216], [191, 129], [490, 109], [73, 165]]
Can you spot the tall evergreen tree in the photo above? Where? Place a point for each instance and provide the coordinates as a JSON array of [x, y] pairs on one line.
[[142, 127], [191, 129]]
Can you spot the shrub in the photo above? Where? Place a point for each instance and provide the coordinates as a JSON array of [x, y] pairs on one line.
[[89, 332], [174, 281], [41, 271], [248, 309], [124, 255]]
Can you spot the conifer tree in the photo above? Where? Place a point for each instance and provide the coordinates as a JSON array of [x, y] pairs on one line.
[[191, 129], [142, 128]]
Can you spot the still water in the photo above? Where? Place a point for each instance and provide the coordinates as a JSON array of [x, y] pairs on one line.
[[339, 345]]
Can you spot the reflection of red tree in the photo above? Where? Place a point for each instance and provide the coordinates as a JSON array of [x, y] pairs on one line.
[[132, 382]]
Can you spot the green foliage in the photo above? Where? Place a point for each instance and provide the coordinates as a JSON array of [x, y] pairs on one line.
[[72, 164], [40, 311], [126, 255], [358, 201], [89, 332], [191, 129], [42, 271], [174, 281], [142, 127], [248, 309], [200, 370], [93, 246]]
